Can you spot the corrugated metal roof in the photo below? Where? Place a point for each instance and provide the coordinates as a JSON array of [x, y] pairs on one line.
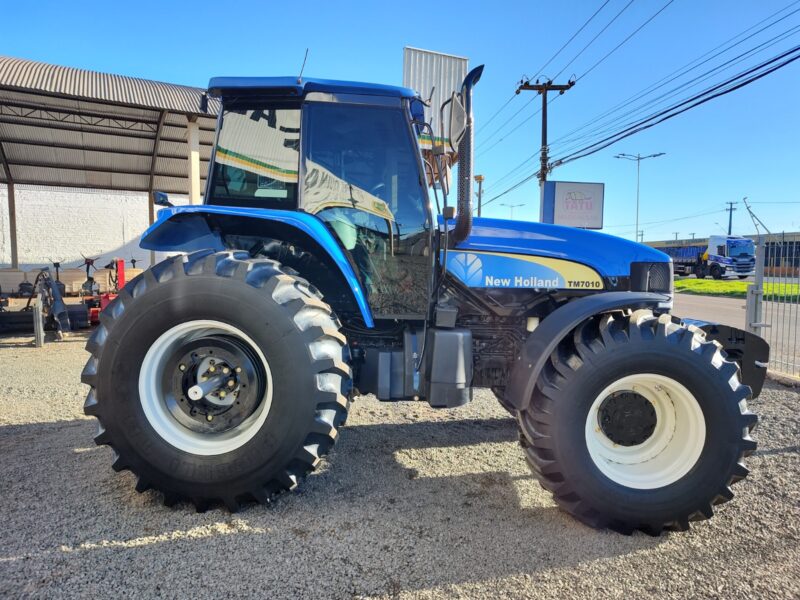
[[24, 74], [70, 127]]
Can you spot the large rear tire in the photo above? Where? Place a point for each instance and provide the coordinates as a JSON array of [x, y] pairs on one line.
[[217, 378], [638, 422]]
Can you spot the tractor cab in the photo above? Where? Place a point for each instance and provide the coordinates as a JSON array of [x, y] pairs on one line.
[[346, 153]]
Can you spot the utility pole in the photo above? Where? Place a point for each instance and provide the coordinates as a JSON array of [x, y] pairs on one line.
[[479, 179], [730, 210], [676, 235], [511, 208], [543, 88], [638, 158], [640, 235], [692, 234]]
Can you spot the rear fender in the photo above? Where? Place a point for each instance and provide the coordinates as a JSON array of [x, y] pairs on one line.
[[749, 350], [545, 338], [187, 228]]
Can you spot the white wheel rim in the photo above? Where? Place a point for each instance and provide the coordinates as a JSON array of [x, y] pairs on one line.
[[154, 403], [671, 450]]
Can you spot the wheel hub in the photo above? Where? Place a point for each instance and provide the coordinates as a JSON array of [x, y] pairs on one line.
[[627, 418], [212, 384]]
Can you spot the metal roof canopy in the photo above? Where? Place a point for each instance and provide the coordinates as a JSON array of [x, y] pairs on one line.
[[67, 127]]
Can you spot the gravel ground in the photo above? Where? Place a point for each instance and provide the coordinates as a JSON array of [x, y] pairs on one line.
[[413, 503]]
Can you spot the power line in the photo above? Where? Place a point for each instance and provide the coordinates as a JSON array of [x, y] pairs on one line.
[[711, 93], [734, 83], [545, 65], [609, 125], [683, 70], [701, 214], [574, 35], [618, 46], [574, 58], [497, 112]]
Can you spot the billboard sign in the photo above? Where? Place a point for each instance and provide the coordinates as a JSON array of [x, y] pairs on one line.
[[572, 203], [423, 71]]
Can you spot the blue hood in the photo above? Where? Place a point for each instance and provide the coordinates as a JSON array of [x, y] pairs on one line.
[[608, 255]]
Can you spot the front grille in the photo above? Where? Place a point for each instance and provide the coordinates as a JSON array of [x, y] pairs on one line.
[[651, 277]]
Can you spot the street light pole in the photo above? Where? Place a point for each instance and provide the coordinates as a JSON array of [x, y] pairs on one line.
[[638, 158], [511, 208], [479, 179]]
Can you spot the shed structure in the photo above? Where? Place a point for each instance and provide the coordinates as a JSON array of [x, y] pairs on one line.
[[67, 127]]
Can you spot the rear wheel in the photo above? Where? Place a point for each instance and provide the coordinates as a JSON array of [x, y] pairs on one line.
[[217, 378], [638, 422]]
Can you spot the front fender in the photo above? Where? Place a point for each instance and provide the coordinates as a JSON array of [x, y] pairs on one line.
[[186, 228], [546, 337]]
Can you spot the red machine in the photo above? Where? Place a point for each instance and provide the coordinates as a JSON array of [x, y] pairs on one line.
[[97, 303]]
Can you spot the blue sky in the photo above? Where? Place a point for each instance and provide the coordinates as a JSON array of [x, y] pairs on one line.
[[743, 144]]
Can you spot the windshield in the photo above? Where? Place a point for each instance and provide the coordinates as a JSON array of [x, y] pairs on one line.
[[738, 248], [256, 158]]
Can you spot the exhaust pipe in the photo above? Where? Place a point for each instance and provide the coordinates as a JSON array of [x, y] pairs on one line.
[[466, 150]]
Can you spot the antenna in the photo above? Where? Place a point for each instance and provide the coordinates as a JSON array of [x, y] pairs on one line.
[[300, 77]]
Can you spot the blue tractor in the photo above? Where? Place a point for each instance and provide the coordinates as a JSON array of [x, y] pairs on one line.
[[317, 270]]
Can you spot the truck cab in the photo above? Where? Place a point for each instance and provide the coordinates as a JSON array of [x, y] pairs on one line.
[[734, 255]]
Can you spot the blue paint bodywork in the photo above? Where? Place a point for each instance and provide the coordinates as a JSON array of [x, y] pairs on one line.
[[608, 255], [288, 86], [185, 229]]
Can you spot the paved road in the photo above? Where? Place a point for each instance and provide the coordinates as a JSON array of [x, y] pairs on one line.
[[728, 311], [783, 336]]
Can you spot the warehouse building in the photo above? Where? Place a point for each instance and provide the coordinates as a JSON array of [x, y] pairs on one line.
[[81, 154]]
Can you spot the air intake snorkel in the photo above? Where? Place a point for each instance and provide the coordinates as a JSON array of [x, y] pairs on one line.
[[466, 149]]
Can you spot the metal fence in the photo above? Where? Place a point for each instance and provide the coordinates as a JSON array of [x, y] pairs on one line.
[[773, 301]]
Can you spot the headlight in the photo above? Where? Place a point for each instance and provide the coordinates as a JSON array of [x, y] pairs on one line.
[[651, 277]]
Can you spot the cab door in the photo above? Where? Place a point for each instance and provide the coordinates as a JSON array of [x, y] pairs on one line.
[[360, 174]]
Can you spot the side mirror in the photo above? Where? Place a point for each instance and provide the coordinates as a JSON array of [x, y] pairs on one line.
[[457, 124], [161, 199]]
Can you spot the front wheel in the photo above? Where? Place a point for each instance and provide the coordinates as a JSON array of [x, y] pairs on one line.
[[638, 422], [217, 378], [716, 272]]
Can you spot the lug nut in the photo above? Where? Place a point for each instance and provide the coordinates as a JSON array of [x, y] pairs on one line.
[[226, 370], [222, 393], [182, 367], [209, 417], [212, 368], [238, 369], [231, 383]]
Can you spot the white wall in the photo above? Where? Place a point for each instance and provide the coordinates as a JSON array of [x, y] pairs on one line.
[[62, 223]]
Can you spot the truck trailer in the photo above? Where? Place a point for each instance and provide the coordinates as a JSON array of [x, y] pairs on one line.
[[723, 256]]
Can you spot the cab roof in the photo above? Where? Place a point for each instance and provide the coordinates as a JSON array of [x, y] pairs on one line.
[[289, 86]]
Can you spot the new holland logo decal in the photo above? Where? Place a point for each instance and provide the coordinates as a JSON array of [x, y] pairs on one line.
[[502, 270]]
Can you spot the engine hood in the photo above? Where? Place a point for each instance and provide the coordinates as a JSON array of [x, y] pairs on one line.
[[608, 255]]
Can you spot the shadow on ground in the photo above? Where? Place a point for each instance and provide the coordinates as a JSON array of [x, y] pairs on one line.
[[402, 507]]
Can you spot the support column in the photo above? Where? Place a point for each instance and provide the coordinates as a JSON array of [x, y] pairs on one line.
[[12, 223], [12, 209], [193, 141]]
